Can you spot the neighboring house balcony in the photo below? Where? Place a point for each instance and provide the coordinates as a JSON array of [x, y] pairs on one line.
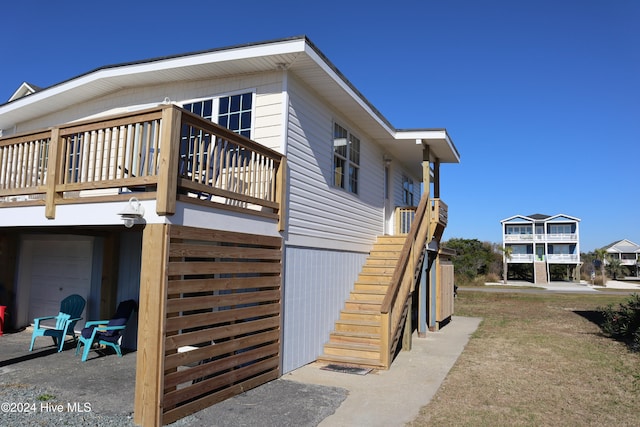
[[518, 237], [163, 153], [569, 237], [562, 237], [562, 258], [521, 258]]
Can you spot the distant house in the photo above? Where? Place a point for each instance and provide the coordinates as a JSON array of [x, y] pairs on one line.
[[273, 217], [542, 245], [628, 253]]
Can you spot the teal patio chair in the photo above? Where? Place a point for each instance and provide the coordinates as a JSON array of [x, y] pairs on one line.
[[70, 311], [106, 332]]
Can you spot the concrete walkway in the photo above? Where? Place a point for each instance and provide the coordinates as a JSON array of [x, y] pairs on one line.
[[394, 397]]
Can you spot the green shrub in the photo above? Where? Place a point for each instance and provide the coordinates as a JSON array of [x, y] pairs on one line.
[[623, 322]]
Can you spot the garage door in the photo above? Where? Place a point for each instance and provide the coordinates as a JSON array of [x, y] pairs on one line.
[[52, 268]]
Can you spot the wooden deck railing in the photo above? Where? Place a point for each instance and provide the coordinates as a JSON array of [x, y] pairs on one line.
[[404, 216], [166, 152]]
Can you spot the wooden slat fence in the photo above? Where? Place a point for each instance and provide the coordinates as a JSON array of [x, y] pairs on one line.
[[223, 318]]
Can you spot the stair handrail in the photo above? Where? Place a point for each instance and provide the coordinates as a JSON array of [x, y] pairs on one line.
[[411, 251]]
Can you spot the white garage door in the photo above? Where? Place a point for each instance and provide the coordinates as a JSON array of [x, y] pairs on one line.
[[52, 268]]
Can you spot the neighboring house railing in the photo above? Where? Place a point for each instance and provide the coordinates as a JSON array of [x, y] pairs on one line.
[[165, 153], [519, 258], [562, 258], [540, 237], [564, 237]]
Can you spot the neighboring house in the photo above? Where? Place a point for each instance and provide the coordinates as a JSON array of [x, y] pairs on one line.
[[279, 217], [540, 242], [628, 253]]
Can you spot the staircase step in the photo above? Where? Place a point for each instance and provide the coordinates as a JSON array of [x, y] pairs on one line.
[[379, 270], [364, 304], [385, 253], [354, 337], [364, 351], [379, 288], [390, 239], [370, 316], [363, 326], [366, 295], [374, 278], [351, 361], [381, 261]]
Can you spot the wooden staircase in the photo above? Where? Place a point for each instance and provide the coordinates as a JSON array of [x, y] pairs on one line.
[[357, 336]]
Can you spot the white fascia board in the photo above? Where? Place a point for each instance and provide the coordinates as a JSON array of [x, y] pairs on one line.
[[430, 136], [521, 217], [560, 216]]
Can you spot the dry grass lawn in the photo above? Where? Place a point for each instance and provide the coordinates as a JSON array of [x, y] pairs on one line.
[[537, 360]]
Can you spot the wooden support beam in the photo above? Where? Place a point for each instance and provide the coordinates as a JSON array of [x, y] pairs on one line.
[[281, 194], [433, 303], [151, 330], [423, 299], [168, 162]]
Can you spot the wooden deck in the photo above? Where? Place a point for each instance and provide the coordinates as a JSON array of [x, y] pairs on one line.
[[164, 153]]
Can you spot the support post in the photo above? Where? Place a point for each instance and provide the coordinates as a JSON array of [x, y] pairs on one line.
[[423, 299], [168, 161], [433, 295], [151, 326]]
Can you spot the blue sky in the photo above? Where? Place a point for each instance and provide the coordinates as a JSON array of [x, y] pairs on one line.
[[541, 97]]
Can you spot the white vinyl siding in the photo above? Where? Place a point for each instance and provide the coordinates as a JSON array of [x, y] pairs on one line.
[[319, 213]]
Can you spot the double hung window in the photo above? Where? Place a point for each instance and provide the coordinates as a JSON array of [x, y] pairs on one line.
[[346, 159]]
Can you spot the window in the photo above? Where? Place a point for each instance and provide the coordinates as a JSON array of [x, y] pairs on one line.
[[234, 111], [560, 229], [346, 159], [407, 191], [518, 229]]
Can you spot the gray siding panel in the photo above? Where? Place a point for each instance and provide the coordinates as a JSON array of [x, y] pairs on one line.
[[316, 284]]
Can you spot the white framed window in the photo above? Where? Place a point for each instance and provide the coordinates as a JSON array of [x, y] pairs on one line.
[[560, 229], [346, 159], [235, 112]]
